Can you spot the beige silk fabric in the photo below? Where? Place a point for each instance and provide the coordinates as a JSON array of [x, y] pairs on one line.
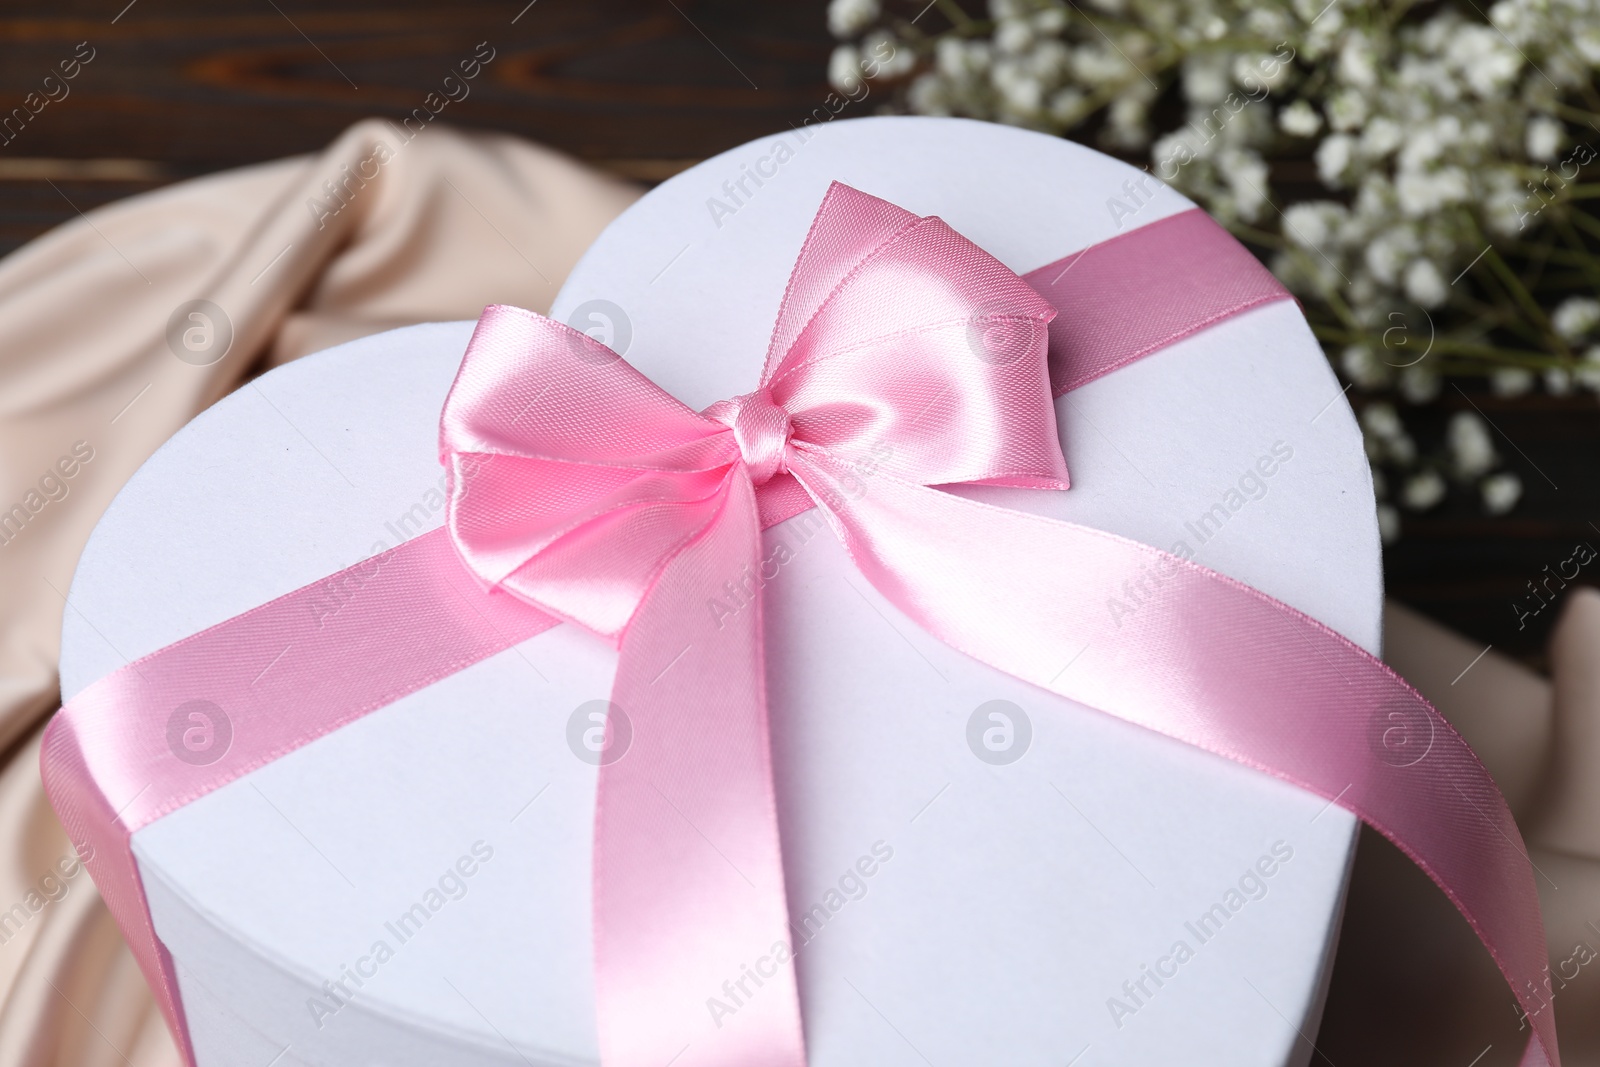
[[382, 230], [1540, 738]]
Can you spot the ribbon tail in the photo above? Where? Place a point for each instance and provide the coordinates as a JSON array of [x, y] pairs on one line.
[[104, 844], [689, 898], [1210, 661]]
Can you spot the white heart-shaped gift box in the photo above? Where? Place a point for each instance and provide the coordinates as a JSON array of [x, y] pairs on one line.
[[965, 888]]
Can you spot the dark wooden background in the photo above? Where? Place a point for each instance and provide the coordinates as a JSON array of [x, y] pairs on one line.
[[643, 88]]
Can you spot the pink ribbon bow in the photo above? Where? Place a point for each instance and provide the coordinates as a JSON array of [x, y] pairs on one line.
[[903, 358], [583, 488]]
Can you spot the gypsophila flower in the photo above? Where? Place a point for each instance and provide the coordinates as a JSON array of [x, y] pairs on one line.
[[846, 18], [1423, 491], [1053, 19], [1471, 448], [1380, 137], [1333, 158], [1347, 111], [1587, 374], [928, 95], [1575, 317], [1588, 46], [1363, 367], [893, 60], [1067, 105], [1511, 381], [1313, 223], [1425, 284], [844, 69], [1381, 421], [1500, 492], [1544, 138], [1014, 35], [1300, 119], [1420, 385], [1388, 523], [1205, 78]]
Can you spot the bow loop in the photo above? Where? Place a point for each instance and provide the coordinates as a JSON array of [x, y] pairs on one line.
[[573, 478], [924, 352]]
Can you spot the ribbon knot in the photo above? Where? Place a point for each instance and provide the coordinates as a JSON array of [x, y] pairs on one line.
[[761, 429]]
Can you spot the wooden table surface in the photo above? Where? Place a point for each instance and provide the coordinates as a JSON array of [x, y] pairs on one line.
[[642, 88]]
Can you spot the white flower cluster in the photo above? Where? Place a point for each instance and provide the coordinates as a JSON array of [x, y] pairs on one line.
[[1468, 459], [1444, 139]]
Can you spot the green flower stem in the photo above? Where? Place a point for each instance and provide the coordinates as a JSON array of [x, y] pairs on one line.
[[1395, 12], [1520, 294], [1498, 317], [1265, 238], [1566, 111], [1589, 94], [1329, 295], [952, 11], [1568, 280], [1587, 222], [1492, 354], [1590, 263], [1503, 309], [1562, 256], [1518, 291]]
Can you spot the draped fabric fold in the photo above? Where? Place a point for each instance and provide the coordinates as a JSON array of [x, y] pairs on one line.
[[904, 358]]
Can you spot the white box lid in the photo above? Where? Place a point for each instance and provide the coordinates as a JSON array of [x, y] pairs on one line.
[[1019, 898]]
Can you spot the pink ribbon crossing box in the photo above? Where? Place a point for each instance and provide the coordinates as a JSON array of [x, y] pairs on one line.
[[974, 869]]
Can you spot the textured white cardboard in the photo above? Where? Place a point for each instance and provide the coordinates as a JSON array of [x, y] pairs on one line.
[[1021, 902]]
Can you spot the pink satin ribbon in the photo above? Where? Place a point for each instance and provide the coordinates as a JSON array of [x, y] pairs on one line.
[[903, 358]]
